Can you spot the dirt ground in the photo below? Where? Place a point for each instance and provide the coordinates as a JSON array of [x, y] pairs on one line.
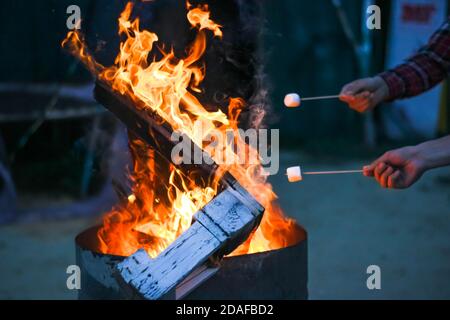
[[351, 222]]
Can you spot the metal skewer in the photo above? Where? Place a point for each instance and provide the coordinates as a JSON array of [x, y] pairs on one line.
[[333, 172], [321, 98], [295, 174], [293, 100]]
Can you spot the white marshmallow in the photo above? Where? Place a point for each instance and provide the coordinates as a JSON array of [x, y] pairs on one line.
[[294, 174], [292, 100], [131, 198]]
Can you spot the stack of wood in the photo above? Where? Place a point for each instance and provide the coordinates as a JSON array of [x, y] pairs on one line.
[[218, 228]]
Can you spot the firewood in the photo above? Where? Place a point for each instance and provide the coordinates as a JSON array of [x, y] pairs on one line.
[[222, 225], [195, 279], [152, 129]]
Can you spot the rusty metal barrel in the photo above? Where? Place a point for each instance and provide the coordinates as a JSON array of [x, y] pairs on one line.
[[277, 274]]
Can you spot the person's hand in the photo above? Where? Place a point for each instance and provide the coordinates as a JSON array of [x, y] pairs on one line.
[[364, 94], [397, 169]]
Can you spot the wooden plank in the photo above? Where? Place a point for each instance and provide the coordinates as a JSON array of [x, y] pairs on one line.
[[194, 280], [148, 126], [220, 227], [214, 233], [242, 194], [155, 279], [151, 128], [227, 218]]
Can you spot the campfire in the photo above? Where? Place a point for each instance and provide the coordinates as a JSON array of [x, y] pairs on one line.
[[162, 203]]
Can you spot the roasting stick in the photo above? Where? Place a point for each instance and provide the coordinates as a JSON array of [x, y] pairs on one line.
[[293, 100], [333, 172], [320, 98], [294, 174]]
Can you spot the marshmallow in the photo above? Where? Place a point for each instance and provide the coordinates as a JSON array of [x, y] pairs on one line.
[[292, 100], [294, 174], [131, 198]]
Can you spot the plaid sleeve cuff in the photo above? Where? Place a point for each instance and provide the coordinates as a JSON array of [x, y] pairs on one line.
[[395, 84]]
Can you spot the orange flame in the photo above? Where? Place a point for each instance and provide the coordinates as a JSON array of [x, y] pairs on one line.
[[152, 219], [199, 17]]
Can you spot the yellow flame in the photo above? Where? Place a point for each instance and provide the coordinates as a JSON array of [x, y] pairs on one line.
[[165, 86], [199, 17]]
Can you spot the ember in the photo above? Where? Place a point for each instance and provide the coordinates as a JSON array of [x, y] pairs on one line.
[[163, 201]]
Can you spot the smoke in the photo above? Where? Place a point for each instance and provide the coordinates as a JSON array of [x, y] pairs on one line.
[[252, 25]]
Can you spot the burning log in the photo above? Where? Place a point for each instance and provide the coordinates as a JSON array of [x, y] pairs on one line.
[[153, 99], [279, 274], [219, 228], [153, 130], [222, 225], [149, 127]]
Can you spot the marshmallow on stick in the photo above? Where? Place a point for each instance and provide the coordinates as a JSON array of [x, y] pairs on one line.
[[293, 100], [294, 174]]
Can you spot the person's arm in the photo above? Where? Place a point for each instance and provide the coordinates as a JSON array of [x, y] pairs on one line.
[[422, 71], [365, 94], [400, 168], [418, 74]]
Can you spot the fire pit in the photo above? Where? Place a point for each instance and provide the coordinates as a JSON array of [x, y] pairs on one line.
[[166, 237], [276, 274]]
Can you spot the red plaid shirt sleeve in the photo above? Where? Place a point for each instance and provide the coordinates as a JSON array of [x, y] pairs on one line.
[[424, 70]]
